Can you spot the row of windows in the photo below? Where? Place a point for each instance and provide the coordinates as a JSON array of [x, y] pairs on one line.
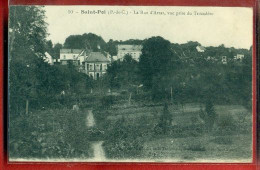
[[64, 56], [98, 67], [70, 62], [124, 53], [95, 76]]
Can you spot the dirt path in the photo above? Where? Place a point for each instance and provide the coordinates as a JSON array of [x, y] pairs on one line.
[[90, 121], [99, 154]]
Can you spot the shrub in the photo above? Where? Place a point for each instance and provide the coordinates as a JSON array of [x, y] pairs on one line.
[[107, 101], [165, 121], [123, 140], [49, 134], [225, 124], [208, 115]]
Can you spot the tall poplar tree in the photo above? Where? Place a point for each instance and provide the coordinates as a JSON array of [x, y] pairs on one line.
[[27, 42]]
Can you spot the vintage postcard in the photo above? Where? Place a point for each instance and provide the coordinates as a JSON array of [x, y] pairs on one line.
[[130, 84]]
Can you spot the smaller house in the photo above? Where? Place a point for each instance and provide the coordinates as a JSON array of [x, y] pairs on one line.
[[134, 50], [72, 56], [224, 59], [201, 49], [96, 65], [48, 58], [239, 57]]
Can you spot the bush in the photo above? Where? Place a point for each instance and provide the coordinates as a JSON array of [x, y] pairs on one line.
[[165, 121], [100, 116], [208, 115], [225, 124], [107, 101], [123, 140], [49, 134]]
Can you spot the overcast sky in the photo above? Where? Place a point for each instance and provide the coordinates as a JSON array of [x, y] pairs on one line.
[[229, 26]]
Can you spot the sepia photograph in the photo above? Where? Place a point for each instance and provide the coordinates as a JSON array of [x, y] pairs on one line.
[[130, 84]]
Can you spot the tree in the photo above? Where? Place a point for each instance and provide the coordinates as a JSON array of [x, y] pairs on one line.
[[158, 65], [90, 41], [56, 50], [165, 121], [31, 80], [123, 74], [208, 115], [49, 47], [111, 47], [27, 44]]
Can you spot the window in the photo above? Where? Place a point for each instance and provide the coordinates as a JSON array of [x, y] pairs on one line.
[[90, 67], [224, 59], [97, 67], [91, 75], [98, 76], [64, 57], [104, 67]]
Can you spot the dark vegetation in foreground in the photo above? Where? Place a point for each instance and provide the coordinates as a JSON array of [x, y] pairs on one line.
[[50, 133]]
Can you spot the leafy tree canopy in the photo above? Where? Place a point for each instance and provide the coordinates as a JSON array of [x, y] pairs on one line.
[[89, 41]]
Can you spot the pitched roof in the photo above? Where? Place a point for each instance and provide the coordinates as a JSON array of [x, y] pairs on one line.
[[96, 56], [72, 51]]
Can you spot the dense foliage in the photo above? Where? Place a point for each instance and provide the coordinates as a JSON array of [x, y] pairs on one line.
[[30, 78], [86, 41], [49, 134], [35, 86]]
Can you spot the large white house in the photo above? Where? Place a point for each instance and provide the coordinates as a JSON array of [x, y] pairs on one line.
[[134, 50], [96, 65], [93, 64], [75, 56]]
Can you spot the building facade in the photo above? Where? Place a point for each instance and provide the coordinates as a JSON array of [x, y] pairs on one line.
[[76, 57], [73, 56], [96, 65], [48, 59], [134, 50], [93, 64], [239, 57]]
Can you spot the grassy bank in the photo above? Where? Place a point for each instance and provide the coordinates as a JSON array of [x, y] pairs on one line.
[[131, 133], [52, 133]]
